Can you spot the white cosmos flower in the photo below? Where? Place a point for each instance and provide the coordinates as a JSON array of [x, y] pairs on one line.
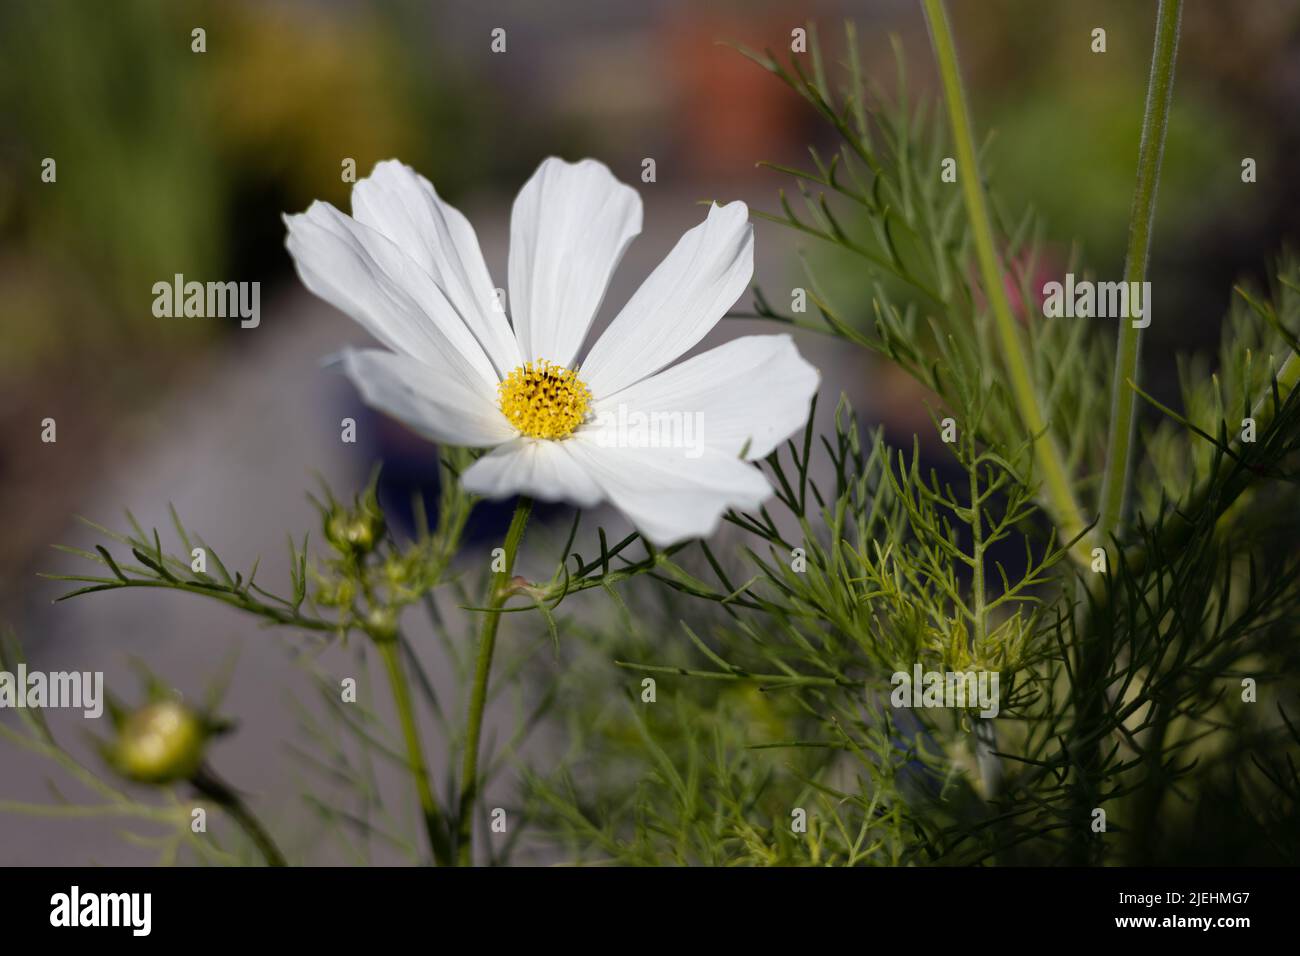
[[407, 266]]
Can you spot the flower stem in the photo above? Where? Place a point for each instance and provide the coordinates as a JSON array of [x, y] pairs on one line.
[[1160, 94], [1096, 651], [1056, 483], [496, 596], [985, 734], [434, 826], [208, 784]]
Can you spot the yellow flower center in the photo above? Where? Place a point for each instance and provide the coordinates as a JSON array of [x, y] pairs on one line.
[[544, 400]]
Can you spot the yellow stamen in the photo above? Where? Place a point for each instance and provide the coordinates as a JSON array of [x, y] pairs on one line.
[[544, 400]]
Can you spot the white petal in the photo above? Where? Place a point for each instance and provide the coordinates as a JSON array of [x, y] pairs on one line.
[[568, 229], [429, 400], [364, 274], [667, 495], [401, 204], [679, 303], [753, 391], [529, 466]]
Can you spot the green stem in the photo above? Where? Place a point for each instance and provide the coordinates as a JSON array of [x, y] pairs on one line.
[[1152, 791], [985, 734], [1056, 483], [498, 591], [207, 783], [977, 558], [1095, 652], [390, 651], [1160, 94]]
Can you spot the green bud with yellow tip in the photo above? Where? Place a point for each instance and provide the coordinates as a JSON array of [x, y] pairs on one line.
[[162, 742], [381, 624]]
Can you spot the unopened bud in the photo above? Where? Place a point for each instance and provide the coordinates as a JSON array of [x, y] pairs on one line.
[[381, 624], [162, 742]]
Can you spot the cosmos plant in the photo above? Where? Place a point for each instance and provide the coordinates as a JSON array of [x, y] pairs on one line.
[[723, 682]]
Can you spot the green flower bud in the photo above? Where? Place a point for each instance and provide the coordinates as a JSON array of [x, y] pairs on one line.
[[381, 624], [345, 592], [360, 534], [160, 743], [396, 572], [336, 529], [354, 531], [336, 594]]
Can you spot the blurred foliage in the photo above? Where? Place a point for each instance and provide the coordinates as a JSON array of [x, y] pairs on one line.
[[138, 196], [1064, 124], [1036, 145], [172, 161]]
